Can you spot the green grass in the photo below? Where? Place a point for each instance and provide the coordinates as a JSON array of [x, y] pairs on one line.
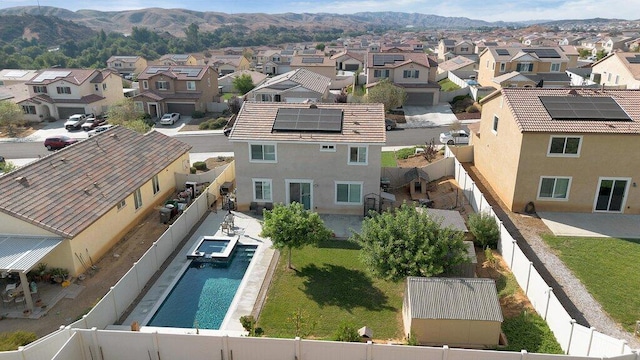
[[528, 331], [609, 269], [228, 96], [15, 339], [448, 85], [389, 159], [330, 286], [406, 153]]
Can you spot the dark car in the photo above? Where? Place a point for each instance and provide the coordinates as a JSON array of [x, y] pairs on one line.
[[58, 142], [390, 124]]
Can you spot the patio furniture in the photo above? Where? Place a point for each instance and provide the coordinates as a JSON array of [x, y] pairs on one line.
[[20, 299], [6, 300]]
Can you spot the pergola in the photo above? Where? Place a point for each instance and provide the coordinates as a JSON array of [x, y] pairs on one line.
[[21, 253]]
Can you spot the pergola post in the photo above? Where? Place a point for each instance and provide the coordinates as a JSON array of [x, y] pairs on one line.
[[26, 289]]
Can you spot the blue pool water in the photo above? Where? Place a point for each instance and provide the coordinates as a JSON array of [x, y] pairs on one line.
[[213, 246], [203, 294]]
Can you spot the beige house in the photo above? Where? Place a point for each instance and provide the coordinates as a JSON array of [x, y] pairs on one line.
[[181, 89], [84, 198], [127, 65], [449, 48], [413, 71], [552, 148], [227, 64], [497, 61], [618, 69], [176, 59], [10, 77], [59, 93], [322, 65], [225, 83], [458, 63], [349, 60], [295, 86], [458, 312], [325, 156]]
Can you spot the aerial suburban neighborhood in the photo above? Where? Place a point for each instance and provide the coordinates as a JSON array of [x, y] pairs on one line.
[[285, 184]]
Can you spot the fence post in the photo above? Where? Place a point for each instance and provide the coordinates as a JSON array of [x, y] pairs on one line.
[[113, 296], [296, 343], [369, 350], [573, 325], [135, 267], [155, 254], [513, 252], [546, 308], [156, 344], [445, 352], [523, 354], [624, 343], [225, 347], [526, 291], [96, 344], [591, 331]]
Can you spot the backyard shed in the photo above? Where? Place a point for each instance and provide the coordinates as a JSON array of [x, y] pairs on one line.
[[457, 312]]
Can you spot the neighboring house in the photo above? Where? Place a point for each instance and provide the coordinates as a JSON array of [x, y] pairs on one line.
[[59, 93], [16, 76], [324, 156], [349, 60], [616, 43], [498, 61], [181, 89], [448, 49], [226, 64], [176, 59], [481, 45], [458, 312], [541, 80], [276, 62], [541, 147], [458, 63], [580, 76], [225, 83], [296, 86], [319, 64], [413, 71], [572, 53], [127, 65], [618, 69], [84, 198]]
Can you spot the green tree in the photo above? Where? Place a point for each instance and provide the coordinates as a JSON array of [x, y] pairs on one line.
[[243, 83], [408, 242], [485, 228], [7, 166], [11, 116], [388, 94], [125, 114], [584, 53], [291, 226], [346, 332], [320, 46]]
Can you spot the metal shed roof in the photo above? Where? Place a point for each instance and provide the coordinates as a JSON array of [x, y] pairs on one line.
[[22, 252], [447, 218]]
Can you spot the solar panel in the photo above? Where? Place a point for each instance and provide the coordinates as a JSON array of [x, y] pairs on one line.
[[156, 69], [308, 119], [502, 52], [189, 72], [309, 51], [584, 108], [312, 60], [50, 75], [16, 73], [380, 60], [286, 52], [543, 53], [634, 59]]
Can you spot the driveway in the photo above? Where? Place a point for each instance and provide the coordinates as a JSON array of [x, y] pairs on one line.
[[592, 225], [427, 116]]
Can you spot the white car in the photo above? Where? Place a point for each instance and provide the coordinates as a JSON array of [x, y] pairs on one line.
[[75, 121], [99, 129], [169, 118], [454, 137]]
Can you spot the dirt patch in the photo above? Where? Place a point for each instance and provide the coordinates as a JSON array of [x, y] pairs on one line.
[[214, 162], [468, 116], [417, 161], [194, 124], [399, 118], [21, 131]]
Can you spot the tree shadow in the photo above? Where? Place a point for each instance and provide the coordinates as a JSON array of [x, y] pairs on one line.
[[347, 289]]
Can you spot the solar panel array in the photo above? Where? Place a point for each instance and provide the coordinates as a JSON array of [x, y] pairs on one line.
[[544, 53], [308, 119], [502, 52], [180, 57], [190, 72], [381, 60], [50, 75], [286, 52], [634, 59], [309, 51], [156, 69], [584, 108], [312, 60], [16, 73]]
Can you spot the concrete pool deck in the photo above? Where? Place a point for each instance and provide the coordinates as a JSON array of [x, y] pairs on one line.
[[248, 228]]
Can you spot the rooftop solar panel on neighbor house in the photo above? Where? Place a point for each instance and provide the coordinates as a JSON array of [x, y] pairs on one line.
[[543, 53], [634, 59], [312, 60], [502, 52], [380, 60], [156, 69], [309, 51], [50, 75], [286, 52], [584, 108], [308, 119]]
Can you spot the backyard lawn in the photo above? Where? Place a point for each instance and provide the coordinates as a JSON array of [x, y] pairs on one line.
[[328, 287], [389, 159], [609, 268], [448, 85]]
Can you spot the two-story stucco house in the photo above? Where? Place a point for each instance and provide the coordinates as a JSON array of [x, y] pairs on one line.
[[59, 93], [349, 60], [618, 69], [227, 64], [449, 48], [324, 156], [319, 64], [413, 71], [181, 89], [127, 65], [176, 60], [566, 150], [276, 62]]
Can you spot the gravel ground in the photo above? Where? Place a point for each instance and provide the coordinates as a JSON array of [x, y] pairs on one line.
[[570, 291]]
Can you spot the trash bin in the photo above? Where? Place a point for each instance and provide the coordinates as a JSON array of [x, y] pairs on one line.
[[165, 215]]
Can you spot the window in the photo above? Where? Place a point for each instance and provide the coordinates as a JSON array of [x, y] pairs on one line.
[[328, 148], [262, 152], [121, 204], [63, 90], [155, 183], [40, 89], [95, 86], [117, 64], [138, 106], [29, 109], [524, 67], [137, 199], [450, 49], [555, 67], [495, 124], [411, 74], [487, 64], [265, 97], [493, 66], [357, 155], [565, 146], [104, 86], [381, 73], [162, 85], [503, 67], [145, 84], [617, 79], [262, 190], [349, 193], [554, 188], [191, 85], [464, 49]]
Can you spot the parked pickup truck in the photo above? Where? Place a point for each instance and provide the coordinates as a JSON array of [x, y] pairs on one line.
[[75, 121]]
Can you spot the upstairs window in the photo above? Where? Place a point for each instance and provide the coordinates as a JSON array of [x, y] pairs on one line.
[[495, 124], [357, 155], [162, 85], [524, 67], [565, 146], [411, 74], [381, 73], [262, 153], [145, 84], [191, 85], [503, 67], [63, 90], [555, 67]]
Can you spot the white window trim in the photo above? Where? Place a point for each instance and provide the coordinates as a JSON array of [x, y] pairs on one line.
[[194, 85], [335, 190], [275, 149], [549, 154], [495, 124], [155, 182], [137, 199], [570, 178], [624, 198], [145, 84], [253, 189], [328, 147], [122, 204], [366, 160], [288, 194], [503, 67]]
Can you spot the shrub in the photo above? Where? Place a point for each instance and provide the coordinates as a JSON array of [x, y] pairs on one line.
[[197, 114], [213, 124], [485, 228], [405, 153], [12, 340], [200, 165], [411, 340], [193, 170], [249, 324], [459, 97], [472, 109], [346, 332]]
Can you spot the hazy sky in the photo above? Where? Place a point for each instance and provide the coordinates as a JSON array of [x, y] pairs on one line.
[[507, 10]]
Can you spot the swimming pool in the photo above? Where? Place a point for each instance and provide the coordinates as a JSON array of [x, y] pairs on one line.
[[203, 294]]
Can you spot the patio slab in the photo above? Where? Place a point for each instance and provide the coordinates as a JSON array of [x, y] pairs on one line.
[[592, 224]]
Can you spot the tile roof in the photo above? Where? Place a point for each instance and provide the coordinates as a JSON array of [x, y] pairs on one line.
[[453, 299], [531, 115], [68, 190], [73, 76], [362, 123], [302, 77], [179, 72], [298, 60], [455, 63], [409, 57], [517, 52]]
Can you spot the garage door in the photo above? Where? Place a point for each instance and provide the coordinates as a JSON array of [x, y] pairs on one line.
[[65, 112], [351, 67], [183, 109], [419, 99]]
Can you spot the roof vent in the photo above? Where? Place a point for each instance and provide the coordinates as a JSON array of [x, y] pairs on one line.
[[572, 92], [313, 106], [20, 179], [115, 136]]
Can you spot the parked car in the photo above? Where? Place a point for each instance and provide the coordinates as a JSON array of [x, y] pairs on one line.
[[454, 137], [75, 121], [390, 124], [58, 142], [169, 118], [91, 123], [99, 129]]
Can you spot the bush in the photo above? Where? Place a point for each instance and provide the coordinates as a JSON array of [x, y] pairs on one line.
[[197, 114], [405, 153], [472, 109], [412, 340], [460, 97], [12, 340], [485, 228], [346, 332], [200, 165], [213, 124], [193, 170], [528, 331], [249, 324]]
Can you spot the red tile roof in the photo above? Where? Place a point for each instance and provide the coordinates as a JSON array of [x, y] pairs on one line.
[[67, 191]]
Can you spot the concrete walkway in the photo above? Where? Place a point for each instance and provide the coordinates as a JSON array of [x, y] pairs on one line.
[[592, 225]]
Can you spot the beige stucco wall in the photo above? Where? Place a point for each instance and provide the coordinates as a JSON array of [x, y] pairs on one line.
[[610, 68], [460, 333], [489, 68], [12, 225], [207, 86], [397, 73], [305, 161]]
